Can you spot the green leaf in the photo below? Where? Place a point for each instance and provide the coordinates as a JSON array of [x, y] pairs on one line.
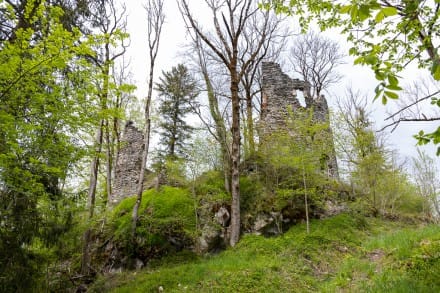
[[364, 12], [435, 70], [389, 11], [379, 75], [393, 87], [391, 95], [392, 79], [435, 101], [378, 90], [371, 59], [379, 17], [384, 100], [359, 60], [354, 13], [345, 9]]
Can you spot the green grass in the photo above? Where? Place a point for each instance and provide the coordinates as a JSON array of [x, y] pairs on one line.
[[345, 253]]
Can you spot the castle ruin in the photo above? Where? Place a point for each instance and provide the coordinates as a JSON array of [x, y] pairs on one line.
[[128, 165], [280, 96]]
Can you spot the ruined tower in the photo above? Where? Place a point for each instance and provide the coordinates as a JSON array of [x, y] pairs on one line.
[[280, 95], [128, 165]]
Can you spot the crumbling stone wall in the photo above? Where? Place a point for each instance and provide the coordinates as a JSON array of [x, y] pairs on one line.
[[280, 96], [128, 165]]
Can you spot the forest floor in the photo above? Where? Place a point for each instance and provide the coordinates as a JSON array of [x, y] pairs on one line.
[[345, 253]]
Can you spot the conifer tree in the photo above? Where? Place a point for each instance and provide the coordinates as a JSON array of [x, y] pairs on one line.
[[177, 90]]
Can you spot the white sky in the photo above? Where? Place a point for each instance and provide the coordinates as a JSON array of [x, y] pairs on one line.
[[173, 38]]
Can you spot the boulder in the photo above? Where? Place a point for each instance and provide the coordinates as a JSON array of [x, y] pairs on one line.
[[268, 224], [210, 239], [222, 216], [332, 208]]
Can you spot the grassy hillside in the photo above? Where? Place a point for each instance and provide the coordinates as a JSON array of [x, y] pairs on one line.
[[345, 253]]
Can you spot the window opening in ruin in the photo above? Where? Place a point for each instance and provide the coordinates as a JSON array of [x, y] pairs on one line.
[[301, 99]]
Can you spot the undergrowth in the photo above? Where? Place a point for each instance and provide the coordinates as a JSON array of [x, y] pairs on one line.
[[346, 253]]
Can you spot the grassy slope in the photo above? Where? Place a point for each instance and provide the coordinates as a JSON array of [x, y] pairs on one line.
[[341, 254]]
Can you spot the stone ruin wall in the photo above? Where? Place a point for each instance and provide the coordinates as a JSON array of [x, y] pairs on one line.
[[128, 165], [280, 96]]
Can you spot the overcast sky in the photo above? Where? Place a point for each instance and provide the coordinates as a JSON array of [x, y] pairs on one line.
[[173, 39]]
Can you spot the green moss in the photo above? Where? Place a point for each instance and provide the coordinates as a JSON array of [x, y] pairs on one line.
[[171, 204], [166, 223]]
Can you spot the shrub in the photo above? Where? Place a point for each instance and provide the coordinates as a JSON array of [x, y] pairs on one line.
[[210, 187]]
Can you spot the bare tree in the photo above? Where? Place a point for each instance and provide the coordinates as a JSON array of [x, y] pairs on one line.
[[353, 119], [274, 40], [230, 19], [217, 128], [155, 20], [363, 152], [416, 104], [427, 182], [315, 58]]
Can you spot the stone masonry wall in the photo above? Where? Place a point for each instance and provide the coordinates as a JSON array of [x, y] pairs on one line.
[[280, 97], [128, 165]]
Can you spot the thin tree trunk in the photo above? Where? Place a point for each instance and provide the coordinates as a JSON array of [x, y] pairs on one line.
[[235, 19], [85, 260], [220, 130], [104, 107], [306, 199], [134, 217], [250, 124], [235, 178], [109, 161], [155, 21], [116, 142]]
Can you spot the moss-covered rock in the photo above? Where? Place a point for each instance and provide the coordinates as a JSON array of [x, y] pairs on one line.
[[167, 223]]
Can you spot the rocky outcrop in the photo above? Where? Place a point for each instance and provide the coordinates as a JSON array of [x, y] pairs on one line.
[[214, 234], [268, 224]]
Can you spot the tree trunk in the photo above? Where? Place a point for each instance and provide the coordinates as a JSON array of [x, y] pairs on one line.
[[134, 217], [85, 261], [109, 161], [155, 21], [306, 204], [235, 178], [220, 131], [250, 123]]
